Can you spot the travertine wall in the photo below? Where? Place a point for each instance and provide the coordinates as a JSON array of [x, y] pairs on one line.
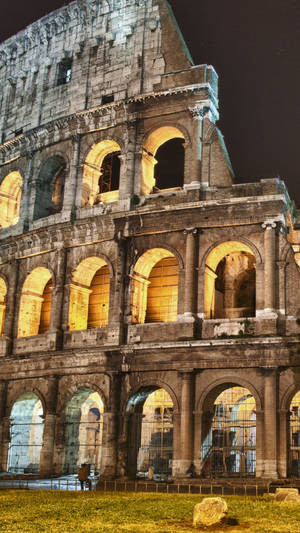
[[133, 51]]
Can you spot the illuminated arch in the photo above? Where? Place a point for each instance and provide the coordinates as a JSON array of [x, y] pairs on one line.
[[229, 281], [50, 187], [10, 196], [294, 436], [89, 295], [83, 430], [154, 141], [26, 434], [155, 287], [3, 292], [35, 304], [101, 174]]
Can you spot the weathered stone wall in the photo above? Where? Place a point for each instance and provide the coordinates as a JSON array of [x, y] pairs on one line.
[[133, 51]]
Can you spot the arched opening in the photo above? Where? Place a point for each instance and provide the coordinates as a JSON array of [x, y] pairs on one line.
[[3, 292], [83, 430], [229, 281], [26, 435], [35, 304], [50, 188], [229, 444], [10, 197], [101, 174], [89, 295], [163, 161], [150, 433], [155, 287], [294, 440]]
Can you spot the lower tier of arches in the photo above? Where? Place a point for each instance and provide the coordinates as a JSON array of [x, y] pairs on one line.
[[206, 424]]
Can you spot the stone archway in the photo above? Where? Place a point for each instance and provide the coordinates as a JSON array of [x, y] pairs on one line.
[[150, 433], [26, 434], [83, 430], [229, 434], [294, 436], [155, 287]]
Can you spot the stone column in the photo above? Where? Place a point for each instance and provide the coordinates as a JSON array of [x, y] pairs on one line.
[[270, 423], [198, 415], [3, 395], [176, 444], [117, 328], [5, 106], [283, 441], [72, 192], [11, 317], [186, 422], [259, 443], [47, 452], [281, 265], [28, 193], [190, 288], [195, 169], [58, 293], [269, 262], [259, 288], [127, 170], [5, 442], [111, 430]]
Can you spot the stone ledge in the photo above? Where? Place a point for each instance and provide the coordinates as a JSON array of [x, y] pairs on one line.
[[161, 331], [37, 343]]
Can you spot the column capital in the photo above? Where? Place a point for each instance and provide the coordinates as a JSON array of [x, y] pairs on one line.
[[204, 109], [190, 231], [269, 224], [186, 375]]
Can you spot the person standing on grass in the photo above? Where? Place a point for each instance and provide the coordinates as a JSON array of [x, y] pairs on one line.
[[83, 476]]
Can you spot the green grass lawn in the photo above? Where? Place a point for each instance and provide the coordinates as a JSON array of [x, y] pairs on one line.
[[66, 512]]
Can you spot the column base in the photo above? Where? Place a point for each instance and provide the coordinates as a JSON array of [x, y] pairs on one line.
[[180, 468], [187, 318], [270, 469]]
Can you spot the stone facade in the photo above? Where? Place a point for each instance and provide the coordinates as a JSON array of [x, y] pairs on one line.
[[115, 76]]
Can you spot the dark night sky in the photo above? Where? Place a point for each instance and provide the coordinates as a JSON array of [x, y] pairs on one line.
[[254, 47]]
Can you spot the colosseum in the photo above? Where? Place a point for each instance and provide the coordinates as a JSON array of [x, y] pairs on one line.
[[149, 305]]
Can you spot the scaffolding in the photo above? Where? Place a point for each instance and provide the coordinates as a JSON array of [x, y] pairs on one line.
[[229, 447], [156, 449]]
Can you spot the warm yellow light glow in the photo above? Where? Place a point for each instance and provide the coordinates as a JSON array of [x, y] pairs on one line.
[[212, 261], [153, 142], [89, 295], [3, 292], [92, 172], [10, 196], [32, 299], [163, 295]]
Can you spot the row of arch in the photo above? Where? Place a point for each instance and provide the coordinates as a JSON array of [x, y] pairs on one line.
[[228, 445], [162, 168], [229, 290]]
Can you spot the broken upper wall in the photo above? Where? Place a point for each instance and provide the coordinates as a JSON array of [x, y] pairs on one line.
[[90, 53]]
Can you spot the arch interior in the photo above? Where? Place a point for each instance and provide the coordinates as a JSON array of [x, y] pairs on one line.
[[10, 197], [50, 188], [89, 295], [151, 433], [229, 282], [83, 431], [35, 304], [163, 145], [294, 427], [155, 287], [26, 435], [229, 446], [101, 174]]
